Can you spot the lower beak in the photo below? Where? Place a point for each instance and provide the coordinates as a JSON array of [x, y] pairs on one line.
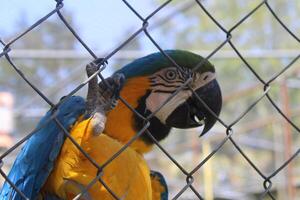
[[193, 113]]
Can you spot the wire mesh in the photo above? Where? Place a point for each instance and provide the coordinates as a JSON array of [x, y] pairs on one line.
[[228, 137]]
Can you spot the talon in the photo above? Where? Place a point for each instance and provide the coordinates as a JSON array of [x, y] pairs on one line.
[[114, 103], [118, 81], [99, 60], [94, 66], [108, 97], [91, 68]]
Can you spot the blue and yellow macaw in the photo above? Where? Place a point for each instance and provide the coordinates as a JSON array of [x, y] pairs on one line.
[[50, 166]]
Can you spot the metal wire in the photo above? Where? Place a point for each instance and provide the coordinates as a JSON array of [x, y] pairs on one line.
[[229, 134]]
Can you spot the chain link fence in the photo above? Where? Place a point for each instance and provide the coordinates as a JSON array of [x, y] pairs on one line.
[[266, 86]]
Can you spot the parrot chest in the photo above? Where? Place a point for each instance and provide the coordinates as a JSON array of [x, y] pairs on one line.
[[127, 175]]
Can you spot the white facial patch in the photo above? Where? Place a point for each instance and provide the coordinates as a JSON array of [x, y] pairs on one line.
[[157, 97], [155, 100]]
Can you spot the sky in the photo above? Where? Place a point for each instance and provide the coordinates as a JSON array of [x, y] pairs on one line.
[[99, 24]]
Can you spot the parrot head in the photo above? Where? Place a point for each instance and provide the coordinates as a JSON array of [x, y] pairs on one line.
[[151, 80]]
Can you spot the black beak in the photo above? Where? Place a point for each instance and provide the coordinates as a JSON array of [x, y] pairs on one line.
[[193, 113], [211, 95]]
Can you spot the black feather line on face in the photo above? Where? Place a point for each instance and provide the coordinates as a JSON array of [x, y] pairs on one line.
[[164, 91], [184, 73], [158, 130], [167, 85], [181, 76], [163, 78]]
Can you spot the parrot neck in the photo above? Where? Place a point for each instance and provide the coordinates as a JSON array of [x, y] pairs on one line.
[[122, 124]]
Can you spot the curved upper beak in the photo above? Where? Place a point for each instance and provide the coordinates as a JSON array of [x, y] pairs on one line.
[[193, 113], [211, 95]]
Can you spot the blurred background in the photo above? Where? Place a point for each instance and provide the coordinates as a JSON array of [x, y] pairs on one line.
[[55, 62]]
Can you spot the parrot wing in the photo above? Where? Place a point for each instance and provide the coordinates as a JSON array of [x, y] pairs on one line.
[[159, 186], [35, 161]]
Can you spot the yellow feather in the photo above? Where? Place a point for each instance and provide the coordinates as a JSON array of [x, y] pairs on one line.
[[119, 123], [127, 175], [157, 188]]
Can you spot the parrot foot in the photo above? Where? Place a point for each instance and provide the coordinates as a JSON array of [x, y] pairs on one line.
[[93, 88], [94, 66], [102, 97], [91, 68], [108, 96], [107, 100]]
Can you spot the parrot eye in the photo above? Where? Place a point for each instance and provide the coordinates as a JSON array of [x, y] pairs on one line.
[[170, 74]]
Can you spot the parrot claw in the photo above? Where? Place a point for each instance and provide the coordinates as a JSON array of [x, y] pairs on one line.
[[92, 68], [109, 96], [118, 82], [107, 100], [99, 61], [101, 97]]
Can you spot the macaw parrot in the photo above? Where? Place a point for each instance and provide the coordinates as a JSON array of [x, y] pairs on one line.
[[50, 166]]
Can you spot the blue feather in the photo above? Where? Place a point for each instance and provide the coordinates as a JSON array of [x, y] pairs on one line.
[[36, 159], [155, 174], [149, 64]]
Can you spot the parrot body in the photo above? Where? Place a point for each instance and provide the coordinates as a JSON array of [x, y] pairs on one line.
[[149, 82], [127, 175]]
